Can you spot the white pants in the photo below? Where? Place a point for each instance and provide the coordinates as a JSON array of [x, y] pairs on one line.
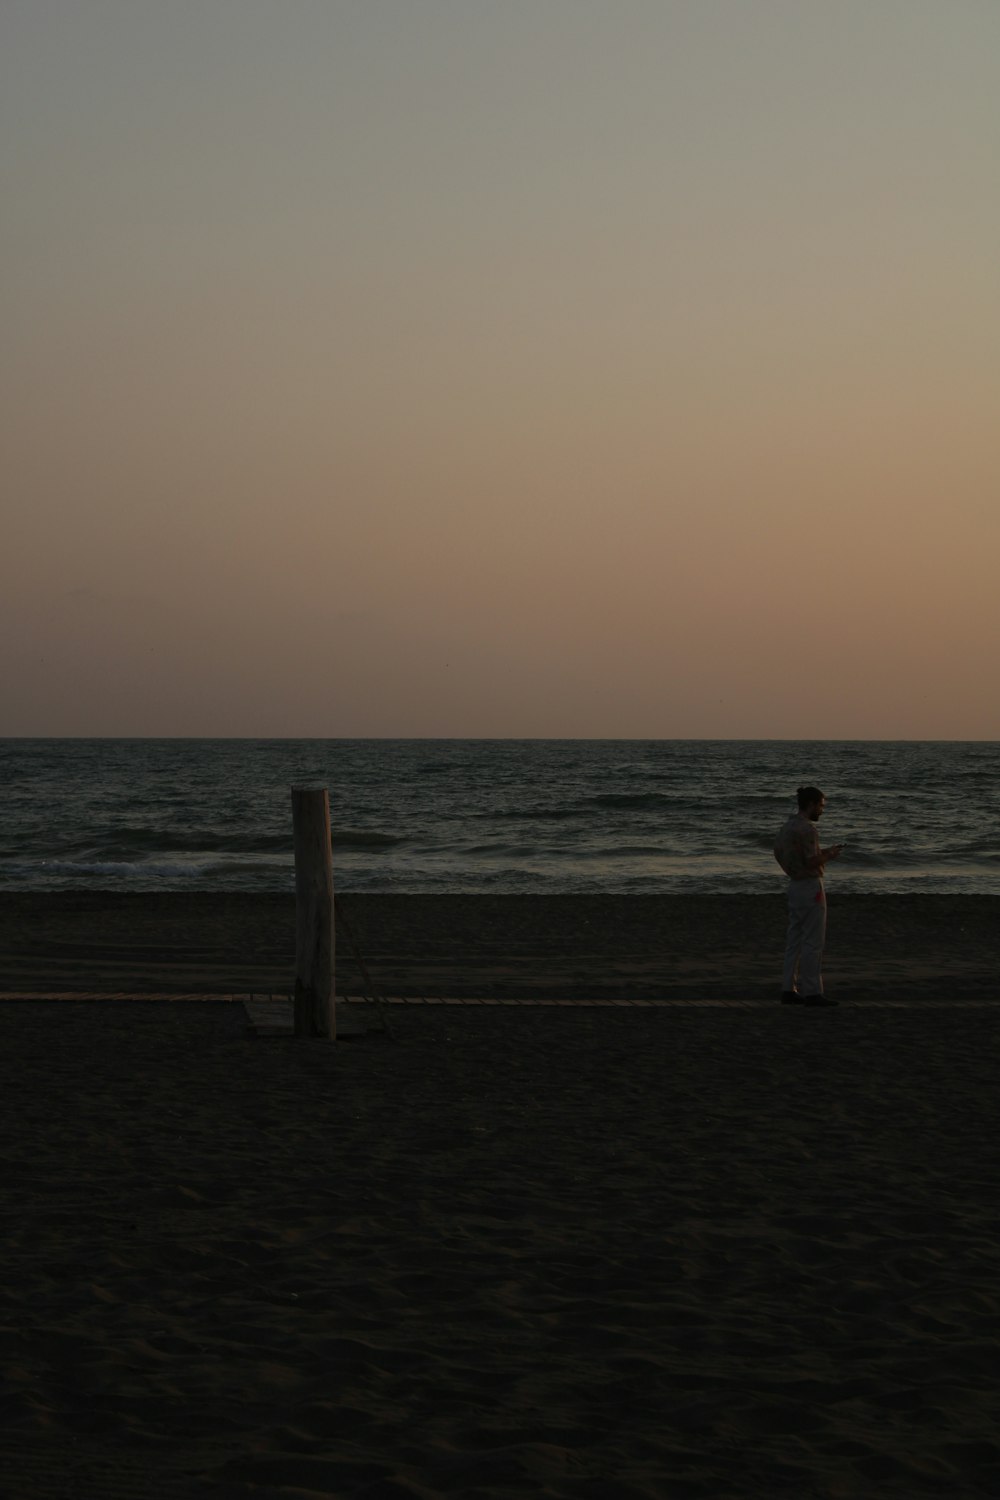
[[806, 936]]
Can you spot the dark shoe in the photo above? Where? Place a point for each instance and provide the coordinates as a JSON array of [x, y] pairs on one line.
[[817, 1000], [791, 997]]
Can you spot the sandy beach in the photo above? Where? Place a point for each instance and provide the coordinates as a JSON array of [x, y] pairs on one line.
[[572, 947], [530, 1252], [552, 1252]]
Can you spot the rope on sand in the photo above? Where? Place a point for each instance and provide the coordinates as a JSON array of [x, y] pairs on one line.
[[370, 991]]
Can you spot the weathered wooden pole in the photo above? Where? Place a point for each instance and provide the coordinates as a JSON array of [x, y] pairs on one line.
[[315, 1011]]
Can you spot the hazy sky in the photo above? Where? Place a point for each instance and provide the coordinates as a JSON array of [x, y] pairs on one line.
[[500, 367]]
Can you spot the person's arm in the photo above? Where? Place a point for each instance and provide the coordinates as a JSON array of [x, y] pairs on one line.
[[817, 861]]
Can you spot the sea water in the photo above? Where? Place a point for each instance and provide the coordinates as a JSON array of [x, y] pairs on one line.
[[495, 816]]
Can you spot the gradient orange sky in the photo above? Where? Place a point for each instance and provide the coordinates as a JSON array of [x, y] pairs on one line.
[[615, 368]]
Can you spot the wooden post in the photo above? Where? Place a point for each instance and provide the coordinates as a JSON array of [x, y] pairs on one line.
[[315, 1012]]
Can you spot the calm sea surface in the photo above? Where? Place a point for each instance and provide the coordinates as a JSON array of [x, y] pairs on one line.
[[494, 815]]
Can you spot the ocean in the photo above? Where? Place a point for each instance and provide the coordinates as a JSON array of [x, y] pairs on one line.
[[495, 816]]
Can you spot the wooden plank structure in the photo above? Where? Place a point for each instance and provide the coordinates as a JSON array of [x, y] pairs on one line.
[[274, 1015]]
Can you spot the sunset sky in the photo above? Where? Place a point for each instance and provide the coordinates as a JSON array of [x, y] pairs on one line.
[[571, 368]]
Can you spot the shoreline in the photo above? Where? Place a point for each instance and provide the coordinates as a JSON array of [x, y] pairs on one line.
[[563, 946]]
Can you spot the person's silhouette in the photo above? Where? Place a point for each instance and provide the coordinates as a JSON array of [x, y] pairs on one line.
[[798, 852]]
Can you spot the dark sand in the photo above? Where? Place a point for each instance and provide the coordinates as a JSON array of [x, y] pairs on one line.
[[513, 1252], [673, 947], [531, 1252]]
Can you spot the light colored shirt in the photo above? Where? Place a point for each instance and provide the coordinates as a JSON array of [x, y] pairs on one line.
[[797, 842]]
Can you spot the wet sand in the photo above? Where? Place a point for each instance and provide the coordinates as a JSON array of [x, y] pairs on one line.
[[899, 947], [533, 1252]]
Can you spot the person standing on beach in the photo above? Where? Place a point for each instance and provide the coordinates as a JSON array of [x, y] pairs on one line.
[[798, 853]]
